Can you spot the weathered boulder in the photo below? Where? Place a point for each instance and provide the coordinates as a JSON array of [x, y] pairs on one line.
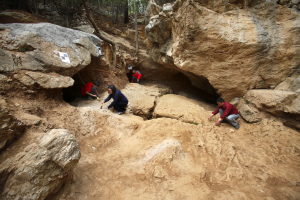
[[234, 49], [274, 101], [282, 103], [249, 112], [181, 108], [39, 47], [290, 84], [46, 81], [142, 99], [42, 168], [10, 127], [85, 28]]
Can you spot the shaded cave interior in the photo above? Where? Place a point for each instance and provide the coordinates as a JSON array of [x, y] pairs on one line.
[[177, 81]]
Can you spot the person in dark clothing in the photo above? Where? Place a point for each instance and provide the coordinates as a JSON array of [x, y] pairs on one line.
[[120, 101], [227, 111], [89, 90], [136, 76]]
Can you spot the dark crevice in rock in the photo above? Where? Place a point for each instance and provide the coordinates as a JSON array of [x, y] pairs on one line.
[[152, 110], [181, 84], [93, 72]]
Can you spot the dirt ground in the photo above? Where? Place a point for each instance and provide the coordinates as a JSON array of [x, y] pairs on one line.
[[125, 157]]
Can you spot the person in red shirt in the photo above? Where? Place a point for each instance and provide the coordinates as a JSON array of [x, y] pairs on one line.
[[136, 76], [89, 90], [227, 111]]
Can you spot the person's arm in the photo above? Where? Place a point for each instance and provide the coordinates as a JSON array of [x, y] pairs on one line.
[[139, 76], [214, 113], [108, 98], [116, 98], [91, 94]]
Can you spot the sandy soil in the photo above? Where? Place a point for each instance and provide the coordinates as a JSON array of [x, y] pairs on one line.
[[125, 157]]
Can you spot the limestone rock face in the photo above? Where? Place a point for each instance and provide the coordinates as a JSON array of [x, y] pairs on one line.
[[233, 49], [10, 127], [46, 81], [181, 108], [36, 47], [42, 168], [249, 113], [274, 101], [142, 99]]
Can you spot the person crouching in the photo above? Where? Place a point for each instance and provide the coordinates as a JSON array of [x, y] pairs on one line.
[[120, 101], [89, 91], [136, 76], [227, 111]]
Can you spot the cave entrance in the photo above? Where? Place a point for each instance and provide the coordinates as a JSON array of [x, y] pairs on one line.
[[95, 71], [182, 85]]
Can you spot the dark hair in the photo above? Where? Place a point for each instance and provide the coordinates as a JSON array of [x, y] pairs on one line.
[[220, 100], [113, 89], [133, 69], [96, 83]]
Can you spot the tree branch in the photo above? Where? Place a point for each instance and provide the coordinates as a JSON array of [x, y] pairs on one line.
[[97, 33]]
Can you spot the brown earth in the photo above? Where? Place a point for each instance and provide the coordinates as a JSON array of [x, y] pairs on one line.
[[125, 157]]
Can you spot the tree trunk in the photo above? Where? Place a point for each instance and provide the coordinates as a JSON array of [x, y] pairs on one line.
[[117, 12], [67, 20], [97, 33], [99, 6], [136, 30], [126, 18], [112, 10]]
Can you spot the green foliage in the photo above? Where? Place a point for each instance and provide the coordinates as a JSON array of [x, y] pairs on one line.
[[247, 102], [195, 123], [21, 49]]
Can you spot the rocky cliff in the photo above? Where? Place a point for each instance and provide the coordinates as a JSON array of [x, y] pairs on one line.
[[234, 48]]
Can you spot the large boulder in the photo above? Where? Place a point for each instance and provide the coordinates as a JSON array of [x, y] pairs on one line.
[[274, 101], [284, 102], [41, 169], [181, 108], [234, 50], [10, 127], [45, 48], [46, 81], [142, 99]]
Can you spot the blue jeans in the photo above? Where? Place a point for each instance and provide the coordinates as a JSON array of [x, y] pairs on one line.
[[120, 106], [231, 118]]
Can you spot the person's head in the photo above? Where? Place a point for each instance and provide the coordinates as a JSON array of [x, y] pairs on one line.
[[96, 83], [111, 89], [133, 71], [220, 101]]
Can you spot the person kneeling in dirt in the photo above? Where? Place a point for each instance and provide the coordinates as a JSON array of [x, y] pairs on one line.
[[228, 112], [120, 101], [89, 90], [136, 76]]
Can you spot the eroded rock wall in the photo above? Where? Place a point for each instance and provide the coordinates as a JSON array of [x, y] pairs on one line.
[[240, 47]]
